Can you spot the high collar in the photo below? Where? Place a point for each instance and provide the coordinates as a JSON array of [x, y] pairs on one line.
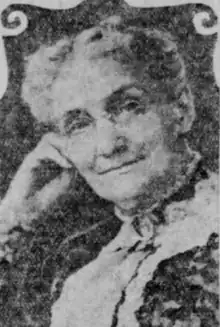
[[146, 223]]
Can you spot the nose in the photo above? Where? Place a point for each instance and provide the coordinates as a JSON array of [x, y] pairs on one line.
[[111, 140]]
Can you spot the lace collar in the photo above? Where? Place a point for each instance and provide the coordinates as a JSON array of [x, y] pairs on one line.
[[157, 215]]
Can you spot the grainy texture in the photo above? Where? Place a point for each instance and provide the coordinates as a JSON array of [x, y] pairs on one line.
[[171, 279], [45, 256], [19, 133], [184, 289]]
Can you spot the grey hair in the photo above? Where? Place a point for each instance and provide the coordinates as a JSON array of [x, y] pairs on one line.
[[152, 54]]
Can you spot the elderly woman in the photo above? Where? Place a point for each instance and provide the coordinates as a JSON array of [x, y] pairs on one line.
[[119, 106]]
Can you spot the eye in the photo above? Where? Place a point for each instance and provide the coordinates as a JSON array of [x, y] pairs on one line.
[[76, 120], [130, 105], [133, 105], [97, 36]]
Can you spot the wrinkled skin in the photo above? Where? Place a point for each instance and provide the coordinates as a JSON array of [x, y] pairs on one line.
[[106, 123]]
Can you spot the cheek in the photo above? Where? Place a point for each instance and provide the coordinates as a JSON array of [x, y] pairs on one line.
[[169, 119], [145, 129], [80, 149]]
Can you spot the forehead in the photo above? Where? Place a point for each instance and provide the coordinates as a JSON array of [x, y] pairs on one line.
[[86, 84]]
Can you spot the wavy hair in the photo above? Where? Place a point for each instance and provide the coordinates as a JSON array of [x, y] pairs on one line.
[[151, 56], [54, 248]]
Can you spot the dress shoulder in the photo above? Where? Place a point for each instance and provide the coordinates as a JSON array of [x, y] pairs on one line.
[[184, 290]]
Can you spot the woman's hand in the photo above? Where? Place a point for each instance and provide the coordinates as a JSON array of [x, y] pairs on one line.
[[25, 198]]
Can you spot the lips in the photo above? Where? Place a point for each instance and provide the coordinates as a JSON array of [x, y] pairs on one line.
[[121, 167]]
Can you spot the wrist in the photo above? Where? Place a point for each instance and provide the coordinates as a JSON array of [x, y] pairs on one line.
[[8, 216], [12, 215]]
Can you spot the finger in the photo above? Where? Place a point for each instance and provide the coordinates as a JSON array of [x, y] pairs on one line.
[[58, 142], [39, 202], [4, 237], [46, 151], [53, 190], [8, 219], [54, 140], [24, 177]]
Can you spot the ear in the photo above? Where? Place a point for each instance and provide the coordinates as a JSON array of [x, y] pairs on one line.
[[184, 111]]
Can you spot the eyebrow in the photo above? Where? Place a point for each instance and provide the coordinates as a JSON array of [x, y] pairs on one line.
[[124, 92], [69, 116], [113, 97], [117, 93]]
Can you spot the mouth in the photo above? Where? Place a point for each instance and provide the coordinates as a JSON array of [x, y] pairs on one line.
[[122, 169]]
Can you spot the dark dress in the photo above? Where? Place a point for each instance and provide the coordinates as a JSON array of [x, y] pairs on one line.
[[168, 280], [118, 275]]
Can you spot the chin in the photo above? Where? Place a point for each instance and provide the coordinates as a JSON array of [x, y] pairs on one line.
[[119, 189]]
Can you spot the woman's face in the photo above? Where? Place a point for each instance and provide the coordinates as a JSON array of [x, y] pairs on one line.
[[111, 134]]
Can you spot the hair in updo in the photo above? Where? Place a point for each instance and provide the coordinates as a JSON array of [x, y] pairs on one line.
[[150, 55]]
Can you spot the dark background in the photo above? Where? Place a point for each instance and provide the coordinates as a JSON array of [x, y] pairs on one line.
[[19, 132], [48, 251]]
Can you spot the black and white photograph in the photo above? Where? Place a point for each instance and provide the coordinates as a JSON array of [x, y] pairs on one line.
[[109, 163]]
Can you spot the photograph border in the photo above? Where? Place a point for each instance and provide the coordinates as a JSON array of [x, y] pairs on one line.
[[18, 16], [16, 19]]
